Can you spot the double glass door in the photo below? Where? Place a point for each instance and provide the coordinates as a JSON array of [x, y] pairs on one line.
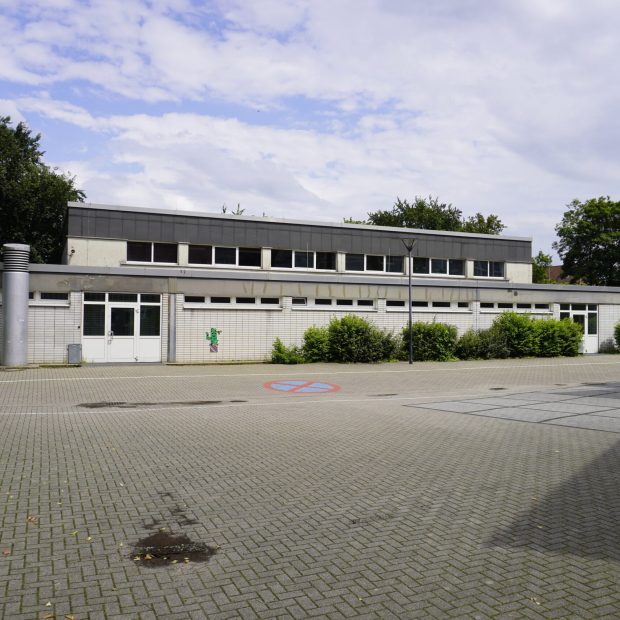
[[121, 327]]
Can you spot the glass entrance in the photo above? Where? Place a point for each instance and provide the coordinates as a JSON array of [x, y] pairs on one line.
[[585, 315], [121, 327]]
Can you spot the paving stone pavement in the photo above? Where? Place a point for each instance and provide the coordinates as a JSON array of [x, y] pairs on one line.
[[465, 490]]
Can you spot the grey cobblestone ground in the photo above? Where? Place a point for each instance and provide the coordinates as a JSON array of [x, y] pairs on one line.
[[411, 493]]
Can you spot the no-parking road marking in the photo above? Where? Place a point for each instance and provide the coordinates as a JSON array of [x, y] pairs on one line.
[[300, 386]]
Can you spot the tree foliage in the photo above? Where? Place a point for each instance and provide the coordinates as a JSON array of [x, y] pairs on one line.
[[589, 241], [540, 268], [430, 214], [33, 196]]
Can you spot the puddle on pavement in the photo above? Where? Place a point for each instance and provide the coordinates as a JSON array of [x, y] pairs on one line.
[[497, 388], [371, 395], [165, 548], [172, 403]]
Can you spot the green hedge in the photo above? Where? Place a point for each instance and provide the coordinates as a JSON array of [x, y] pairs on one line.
[[353, 339], [348, 339], [430, 341], [617, 334]]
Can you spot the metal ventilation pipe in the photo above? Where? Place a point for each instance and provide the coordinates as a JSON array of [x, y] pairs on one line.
[[15, 285]]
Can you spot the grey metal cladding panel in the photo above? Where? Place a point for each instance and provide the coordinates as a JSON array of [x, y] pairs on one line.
[[115, 227], [129, 228]]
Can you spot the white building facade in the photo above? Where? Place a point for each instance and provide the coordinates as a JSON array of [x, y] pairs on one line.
[[149, 285]]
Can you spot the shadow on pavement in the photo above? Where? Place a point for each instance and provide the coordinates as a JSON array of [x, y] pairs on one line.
[[581, 516]]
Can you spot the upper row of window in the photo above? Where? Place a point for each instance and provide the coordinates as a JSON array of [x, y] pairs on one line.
[[147, 252]]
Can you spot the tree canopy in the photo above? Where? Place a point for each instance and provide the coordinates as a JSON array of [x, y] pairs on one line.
[[540, 268], [430, 214], [33, 196], [589, 241]]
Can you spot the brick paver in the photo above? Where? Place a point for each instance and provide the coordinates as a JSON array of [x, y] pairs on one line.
[[379, 501]]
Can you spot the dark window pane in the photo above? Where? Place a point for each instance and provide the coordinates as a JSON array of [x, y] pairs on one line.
[[575, 306], [419, 304], [269, 300], [226, 256], [282, 259], [94, 320], [457, 267], [147, 298], [299, 301], [149, 320], [564, 306], [31, 295], [323, 302], [496, 270], [463, 304], [564, 315], [354, 262], [481, 268], [123, 297], [487, 304], [592, 327], [194, 299], [394, 264], [165, 253], [55, 296], [394, 303], [200, 255], [504, 305], [580, 319], [304, 260], [365, 302], [439, 265], [420, 265], [245, 300], [592, 307], [374, 263], [139, 251], [441, 304], [122, 321], [249, 257], [344, 302], [541, 306], [94, 296], [524, 306], [220, 300], [326, 260]]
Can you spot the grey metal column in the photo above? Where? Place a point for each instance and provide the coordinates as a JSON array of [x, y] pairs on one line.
[[15, 285], [172, 328]]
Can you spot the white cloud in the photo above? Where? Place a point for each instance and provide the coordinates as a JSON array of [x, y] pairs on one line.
[[508, 108]]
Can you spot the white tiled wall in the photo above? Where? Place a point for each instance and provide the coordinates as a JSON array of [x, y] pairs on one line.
[[608, 317], [51, 328]]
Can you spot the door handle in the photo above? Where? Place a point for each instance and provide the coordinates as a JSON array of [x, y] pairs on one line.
[[110, 334]]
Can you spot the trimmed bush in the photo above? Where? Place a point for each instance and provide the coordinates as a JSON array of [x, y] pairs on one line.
[[617, 334], [517, 332], [353, 339], [572, 336], [550, 336], [316, 344], [431, 341], [281, 354], [468, 346]]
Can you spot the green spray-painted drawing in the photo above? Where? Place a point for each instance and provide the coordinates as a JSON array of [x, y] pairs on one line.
[[211, 336]]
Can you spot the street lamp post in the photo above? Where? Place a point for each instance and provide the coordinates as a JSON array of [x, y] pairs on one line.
[[409, 243]]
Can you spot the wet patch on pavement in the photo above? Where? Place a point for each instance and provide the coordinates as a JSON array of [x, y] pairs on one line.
[[165, 548]]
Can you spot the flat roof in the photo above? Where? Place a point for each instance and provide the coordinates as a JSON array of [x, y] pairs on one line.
[[274, 220]]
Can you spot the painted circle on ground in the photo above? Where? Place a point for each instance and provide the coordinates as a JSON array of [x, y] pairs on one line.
[[301, 386]]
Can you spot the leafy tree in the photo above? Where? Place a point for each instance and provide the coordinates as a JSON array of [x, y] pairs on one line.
[[589, 241], [540, 268], [430, 214], [33, 196]]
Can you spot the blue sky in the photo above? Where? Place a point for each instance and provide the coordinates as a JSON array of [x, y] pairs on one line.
[[323, 109]]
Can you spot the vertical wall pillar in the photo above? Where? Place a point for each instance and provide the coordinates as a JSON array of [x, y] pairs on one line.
[[172, 328], [15, 286]]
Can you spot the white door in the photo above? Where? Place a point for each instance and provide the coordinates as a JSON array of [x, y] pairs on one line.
[[587, 316], [121, 327], [122, 333]]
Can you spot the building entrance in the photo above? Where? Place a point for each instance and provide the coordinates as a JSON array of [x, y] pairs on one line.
[[587, 316], [121, 327]]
